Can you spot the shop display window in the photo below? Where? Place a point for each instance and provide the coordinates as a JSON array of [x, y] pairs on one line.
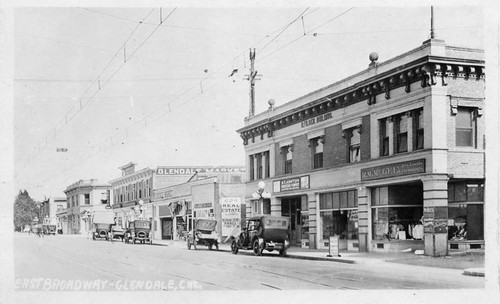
[[397, 223], [339, 215]]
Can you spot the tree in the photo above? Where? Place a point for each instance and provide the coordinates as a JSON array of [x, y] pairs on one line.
[[25, 210]]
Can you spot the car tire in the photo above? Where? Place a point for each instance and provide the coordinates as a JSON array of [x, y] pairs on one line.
[[283, 252], [257, 250], [210, 246], [234, 247]]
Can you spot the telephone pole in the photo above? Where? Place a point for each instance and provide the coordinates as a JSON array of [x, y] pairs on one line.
[[252, 77]]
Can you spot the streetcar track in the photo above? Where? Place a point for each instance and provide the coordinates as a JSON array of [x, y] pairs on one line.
[[270, 286]]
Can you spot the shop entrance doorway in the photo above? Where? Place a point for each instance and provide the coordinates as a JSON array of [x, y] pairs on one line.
[[291, 208], [166, 228]]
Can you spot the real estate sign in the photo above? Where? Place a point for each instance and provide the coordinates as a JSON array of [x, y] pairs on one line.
[[231, 215]]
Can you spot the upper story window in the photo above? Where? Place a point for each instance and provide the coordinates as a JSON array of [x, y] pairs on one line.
[[465, 127], [87, 198], [259, 165], [316, 145], [418, 122], [355, 145], [384, 136], [258, 159], [287, 152], [401, 132]]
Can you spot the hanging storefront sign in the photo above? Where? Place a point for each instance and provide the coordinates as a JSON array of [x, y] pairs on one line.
[[289, 184], [392, 170], [231, 215]]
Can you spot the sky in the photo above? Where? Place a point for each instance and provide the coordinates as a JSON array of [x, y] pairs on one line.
[[114, 86]]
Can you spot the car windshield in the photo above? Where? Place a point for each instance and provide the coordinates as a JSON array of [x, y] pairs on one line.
[[142, 224], [253, 224], [270, 222]]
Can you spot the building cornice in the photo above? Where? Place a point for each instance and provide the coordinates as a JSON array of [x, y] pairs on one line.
[[428, 70]]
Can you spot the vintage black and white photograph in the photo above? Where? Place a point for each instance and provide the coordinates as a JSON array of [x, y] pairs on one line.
[[245, 152]]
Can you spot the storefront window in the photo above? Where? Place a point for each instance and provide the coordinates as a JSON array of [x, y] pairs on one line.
[[397, 212], [465, 210], [397, 223], [339, 215]]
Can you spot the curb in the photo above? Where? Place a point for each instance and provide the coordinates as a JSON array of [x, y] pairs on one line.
[[476, 272], [289, 256]]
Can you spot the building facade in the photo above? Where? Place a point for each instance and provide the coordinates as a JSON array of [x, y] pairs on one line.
[[388, 159], [136, 194], [213, 193], [82, 199], [49, 208]]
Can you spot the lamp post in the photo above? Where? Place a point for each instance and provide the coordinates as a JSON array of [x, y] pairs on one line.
[[261, 194]]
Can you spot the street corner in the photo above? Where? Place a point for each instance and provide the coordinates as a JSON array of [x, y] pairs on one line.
[[476, 272]]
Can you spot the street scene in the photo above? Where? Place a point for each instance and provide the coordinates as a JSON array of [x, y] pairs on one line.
[[171, 266], [254, 149]]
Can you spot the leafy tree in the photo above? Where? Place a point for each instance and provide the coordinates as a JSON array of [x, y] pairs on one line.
[[25, 210]]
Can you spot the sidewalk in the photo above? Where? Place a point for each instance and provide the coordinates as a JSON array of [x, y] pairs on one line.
[[471, 262]]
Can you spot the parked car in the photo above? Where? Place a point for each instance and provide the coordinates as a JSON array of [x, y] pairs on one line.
[[101, 231], [139, 230], [263, 232], [49, 229], [117, 232], [204, 233]]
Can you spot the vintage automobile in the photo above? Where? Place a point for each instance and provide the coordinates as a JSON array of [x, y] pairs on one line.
[[117, 232], [101, 231], [49, 229], [203, 234], [263, 232], [139, 230]]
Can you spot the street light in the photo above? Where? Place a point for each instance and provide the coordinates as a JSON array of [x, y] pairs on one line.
[[260, 193]]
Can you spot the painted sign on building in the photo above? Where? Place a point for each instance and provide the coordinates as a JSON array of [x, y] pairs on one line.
[[193, 170], [231, 215], [203, 210], [392, 170], [289, 184]]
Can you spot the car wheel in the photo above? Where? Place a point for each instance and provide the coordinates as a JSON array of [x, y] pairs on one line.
[[234, 247], [210, 246], [283, 252], [256, 247]]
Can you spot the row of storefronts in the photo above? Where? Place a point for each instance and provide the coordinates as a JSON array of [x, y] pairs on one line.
[[389, 159]]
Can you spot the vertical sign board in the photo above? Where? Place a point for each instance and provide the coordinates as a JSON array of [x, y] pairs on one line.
[[231, 215], [333, 248], [428, 219], [440, 219]]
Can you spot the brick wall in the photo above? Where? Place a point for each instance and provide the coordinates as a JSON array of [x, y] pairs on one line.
[[301, 154], [335, 147], [278, 160], [365, 138]]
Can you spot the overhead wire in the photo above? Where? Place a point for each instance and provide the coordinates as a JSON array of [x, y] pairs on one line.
[[281, 30], [66, 119]]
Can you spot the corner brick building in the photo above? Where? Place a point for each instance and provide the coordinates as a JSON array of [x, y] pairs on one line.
[[388, 159]]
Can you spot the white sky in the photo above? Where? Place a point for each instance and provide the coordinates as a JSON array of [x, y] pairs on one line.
[[59, 52]]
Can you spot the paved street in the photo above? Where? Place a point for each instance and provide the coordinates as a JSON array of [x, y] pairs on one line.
[[52, 262]]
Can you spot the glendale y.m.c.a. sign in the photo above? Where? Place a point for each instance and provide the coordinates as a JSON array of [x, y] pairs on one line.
[[392, 170]]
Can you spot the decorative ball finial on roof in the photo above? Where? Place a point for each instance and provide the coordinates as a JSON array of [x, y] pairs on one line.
[[373, 58], [271, 103]]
